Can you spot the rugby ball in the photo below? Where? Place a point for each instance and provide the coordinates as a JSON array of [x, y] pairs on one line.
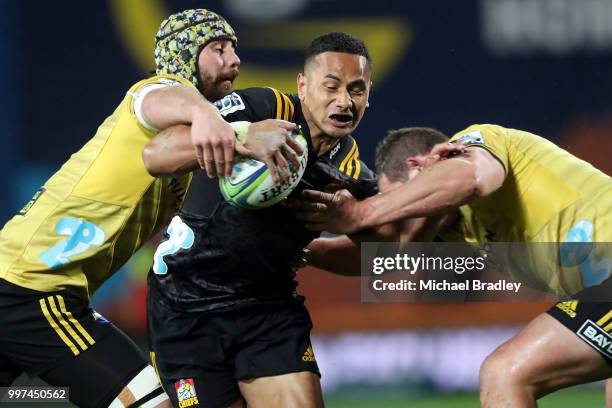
[[250, 185]]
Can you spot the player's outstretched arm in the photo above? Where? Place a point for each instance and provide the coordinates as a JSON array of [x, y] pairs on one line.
[[339, 255], [436, 190], [171, 152], [422, 229], [342, 255], [212, 137], [177, 104]]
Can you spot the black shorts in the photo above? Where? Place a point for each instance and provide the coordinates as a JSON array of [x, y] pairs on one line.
[[59, 338], [201, 356], [589, 317]]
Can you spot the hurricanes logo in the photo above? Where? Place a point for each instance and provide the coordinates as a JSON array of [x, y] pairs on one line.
[[578, 249], [186, 393], [180, 236], [568, 307], [80, 236], [309, 356]]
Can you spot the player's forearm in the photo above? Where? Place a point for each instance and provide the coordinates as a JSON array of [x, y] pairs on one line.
[[342, 255], [435, 191], [170, 152], [422, 229], [174, 105], [339, 255]]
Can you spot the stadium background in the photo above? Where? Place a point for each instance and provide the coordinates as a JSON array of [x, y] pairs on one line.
[[538, 65]]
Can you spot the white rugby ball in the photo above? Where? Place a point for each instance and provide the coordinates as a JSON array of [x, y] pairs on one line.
[[250, 186]]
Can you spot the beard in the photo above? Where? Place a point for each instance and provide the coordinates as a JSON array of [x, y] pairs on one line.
[[214, 89]]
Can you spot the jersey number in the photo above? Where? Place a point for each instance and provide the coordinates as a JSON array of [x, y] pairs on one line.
[[81, 236], [180, 236]]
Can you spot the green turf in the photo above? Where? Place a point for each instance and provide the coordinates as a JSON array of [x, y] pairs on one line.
[[572, 398]]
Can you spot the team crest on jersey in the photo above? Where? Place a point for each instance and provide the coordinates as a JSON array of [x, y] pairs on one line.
[[186, 393], [229, 104], [472, 138]]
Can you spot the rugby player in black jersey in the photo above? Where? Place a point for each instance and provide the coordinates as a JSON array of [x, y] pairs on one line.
[[225, 320]]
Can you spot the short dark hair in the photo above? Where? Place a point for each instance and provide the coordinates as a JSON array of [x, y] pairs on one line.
[[337, 42], [399, 144]]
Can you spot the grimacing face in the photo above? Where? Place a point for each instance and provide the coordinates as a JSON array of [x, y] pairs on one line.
[[218, 68], [334, 91]]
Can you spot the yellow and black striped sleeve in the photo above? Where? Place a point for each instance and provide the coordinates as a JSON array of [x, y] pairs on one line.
[[350, 164], [363, 180], [255, 104], [285, 107]]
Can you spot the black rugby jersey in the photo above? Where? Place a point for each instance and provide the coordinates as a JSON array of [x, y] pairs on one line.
[[218, 257]]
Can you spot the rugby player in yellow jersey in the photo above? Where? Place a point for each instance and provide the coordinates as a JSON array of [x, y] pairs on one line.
[[507, 185], [98, 209]]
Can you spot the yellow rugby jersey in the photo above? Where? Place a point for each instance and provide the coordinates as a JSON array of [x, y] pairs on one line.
[[95, 212], [548, 195]]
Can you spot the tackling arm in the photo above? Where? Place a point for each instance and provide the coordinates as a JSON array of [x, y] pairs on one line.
[[213, 139], [342, 255], [173, 105], [161, 106], [170, 152], [436, 190]]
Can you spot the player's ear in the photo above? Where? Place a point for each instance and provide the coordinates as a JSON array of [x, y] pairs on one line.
[[413, 162], [301, 86]]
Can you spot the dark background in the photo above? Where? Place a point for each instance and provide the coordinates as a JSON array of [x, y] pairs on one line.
[[444, 64]]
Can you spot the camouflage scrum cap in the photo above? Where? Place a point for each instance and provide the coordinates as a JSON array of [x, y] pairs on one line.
[[182, 36]]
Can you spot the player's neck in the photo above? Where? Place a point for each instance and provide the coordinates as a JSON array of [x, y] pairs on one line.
[[322, 143]]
